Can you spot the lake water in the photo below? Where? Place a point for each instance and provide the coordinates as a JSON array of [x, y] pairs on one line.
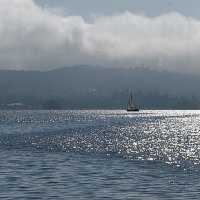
[[99, 155]]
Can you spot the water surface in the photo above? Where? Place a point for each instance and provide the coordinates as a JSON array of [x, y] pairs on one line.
[[99, 155]]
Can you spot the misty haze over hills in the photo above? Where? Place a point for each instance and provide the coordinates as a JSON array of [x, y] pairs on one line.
[[35, 37], [88, 87]]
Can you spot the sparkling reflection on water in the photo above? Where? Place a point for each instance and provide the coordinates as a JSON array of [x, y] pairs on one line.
[[99, 154]]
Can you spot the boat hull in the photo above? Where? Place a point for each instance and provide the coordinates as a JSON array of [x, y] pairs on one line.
[[133, 110]]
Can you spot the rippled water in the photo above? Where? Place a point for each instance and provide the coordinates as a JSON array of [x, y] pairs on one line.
[[99, 155]]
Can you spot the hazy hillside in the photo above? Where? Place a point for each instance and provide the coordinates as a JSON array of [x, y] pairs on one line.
[[99, 87]]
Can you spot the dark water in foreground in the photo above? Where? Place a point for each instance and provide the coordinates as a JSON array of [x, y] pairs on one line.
[[99, 155]]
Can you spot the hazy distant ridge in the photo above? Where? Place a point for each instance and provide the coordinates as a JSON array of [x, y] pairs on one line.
[[98, 87]]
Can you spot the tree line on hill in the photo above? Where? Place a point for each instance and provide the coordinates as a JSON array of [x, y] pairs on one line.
[[87, 87]]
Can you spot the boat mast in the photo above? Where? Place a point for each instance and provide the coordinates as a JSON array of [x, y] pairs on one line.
[[131, 104], [131, 99]]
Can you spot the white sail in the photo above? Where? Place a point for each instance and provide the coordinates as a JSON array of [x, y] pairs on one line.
[[131, 105]]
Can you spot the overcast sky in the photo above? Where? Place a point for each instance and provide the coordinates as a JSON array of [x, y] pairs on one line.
[[47, 34]]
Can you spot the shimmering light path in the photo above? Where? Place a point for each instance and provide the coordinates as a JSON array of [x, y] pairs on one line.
[[100, 154]]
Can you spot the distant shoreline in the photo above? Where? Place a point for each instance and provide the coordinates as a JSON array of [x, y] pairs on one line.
[[91, 110]]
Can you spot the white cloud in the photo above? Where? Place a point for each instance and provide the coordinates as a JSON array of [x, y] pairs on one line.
[[36, 38]]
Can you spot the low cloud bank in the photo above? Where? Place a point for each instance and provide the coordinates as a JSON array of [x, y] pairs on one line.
[[33, 38]]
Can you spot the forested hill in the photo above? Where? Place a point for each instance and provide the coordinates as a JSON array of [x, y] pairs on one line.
[[88, 87]]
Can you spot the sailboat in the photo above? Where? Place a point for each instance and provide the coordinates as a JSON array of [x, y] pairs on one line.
[[131, 105]]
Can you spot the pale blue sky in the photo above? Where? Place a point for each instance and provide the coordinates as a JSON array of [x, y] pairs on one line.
[[86, 8]]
